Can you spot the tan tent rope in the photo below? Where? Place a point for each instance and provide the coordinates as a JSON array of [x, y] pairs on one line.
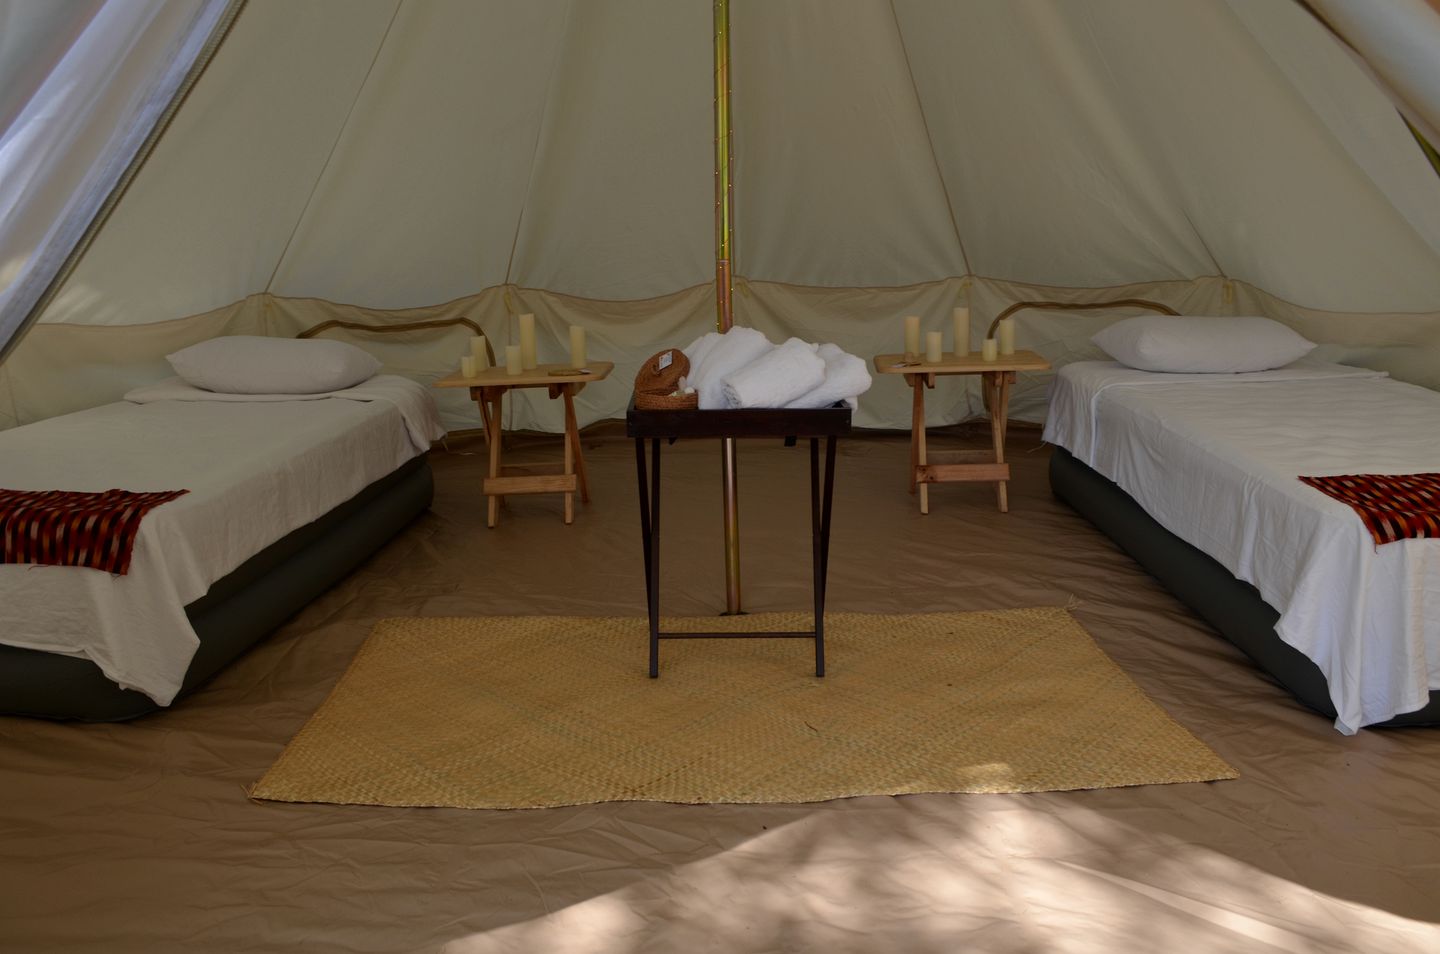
[[362, 327], [1077, 306]]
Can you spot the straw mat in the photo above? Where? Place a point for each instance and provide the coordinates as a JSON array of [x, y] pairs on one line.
[[528, 712]]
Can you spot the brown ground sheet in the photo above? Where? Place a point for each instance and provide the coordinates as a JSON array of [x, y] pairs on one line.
[[138, 837]]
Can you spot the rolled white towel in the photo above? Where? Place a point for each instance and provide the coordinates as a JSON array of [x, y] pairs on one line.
[[776, 378], [732, 351], [846, 378], [698, 349]]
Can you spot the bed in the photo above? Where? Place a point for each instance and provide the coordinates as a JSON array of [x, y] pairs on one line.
[[287, 494], [1196, 475]]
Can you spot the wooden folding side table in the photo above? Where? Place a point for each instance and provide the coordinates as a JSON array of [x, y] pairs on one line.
[[788, 423], [996, 378], [487, 389]]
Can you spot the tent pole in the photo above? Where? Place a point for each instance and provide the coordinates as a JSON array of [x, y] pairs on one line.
[[724, 312]]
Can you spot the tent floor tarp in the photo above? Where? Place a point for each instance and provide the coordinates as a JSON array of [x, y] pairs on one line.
[[139, 837]]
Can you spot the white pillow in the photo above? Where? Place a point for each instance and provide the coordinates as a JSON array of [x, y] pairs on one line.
[[247, 364], [1202, 344]]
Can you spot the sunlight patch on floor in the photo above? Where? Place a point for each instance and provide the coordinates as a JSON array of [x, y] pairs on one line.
[[813, 885]]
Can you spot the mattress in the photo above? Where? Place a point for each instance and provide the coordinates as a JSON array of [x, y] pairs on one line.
[[1215, 460], [256, 470]]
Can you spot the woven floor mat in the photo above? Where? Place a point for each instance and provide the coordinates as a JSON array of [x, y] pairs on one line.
[[530, 712]]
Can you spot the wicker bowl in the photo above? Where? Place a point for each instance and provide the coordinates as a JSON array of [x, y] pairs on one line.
[[655, 387], [666, 402]]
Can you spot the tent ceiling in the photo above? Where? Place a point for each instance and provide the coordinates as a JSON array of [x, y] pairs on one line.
[[400, 154]]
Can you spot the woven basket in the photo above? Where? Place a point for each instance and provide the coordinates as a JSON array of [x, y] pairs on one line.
[[655, 388], [667, 402]]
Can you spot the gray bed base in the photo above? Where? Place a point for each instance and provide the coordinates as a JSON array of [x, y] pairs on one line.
[[1232, 606], [238, 611]]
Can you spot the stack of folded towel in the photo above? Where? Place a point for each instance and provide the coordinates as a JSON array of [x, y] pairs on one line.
[[741, 368]]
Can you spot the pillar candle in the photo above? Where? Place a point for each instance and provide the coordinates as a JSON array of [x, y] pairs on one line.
[[912, 335], [934, 347], [513, 363], [990, 350], [577, 347], [527, 341], [1007, 336], [467, 367], [961, 317], [479, 353]]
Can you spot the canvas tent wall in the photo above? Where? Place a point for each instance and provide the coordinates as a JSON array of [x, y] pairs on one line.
[[384, 161]]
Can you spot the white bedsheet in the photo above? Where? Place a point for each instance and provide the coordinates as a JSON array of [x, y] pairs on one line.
[[256, 469], [1214, 459]]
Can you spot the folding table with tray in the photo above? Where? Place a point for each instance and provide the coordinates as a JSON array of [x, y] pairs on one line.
[[667, 424]]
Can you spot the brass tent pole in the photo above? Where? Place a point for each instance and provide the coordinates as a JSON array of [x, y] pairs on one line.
[[724, 310]]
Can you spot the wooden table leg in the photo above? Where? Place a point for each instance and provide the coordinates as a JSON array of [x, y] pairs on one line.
[[917, 424], [569, 469], [653, 589], [478, 396], [492, 428], [572, 434], [997, 384], [918, 456]]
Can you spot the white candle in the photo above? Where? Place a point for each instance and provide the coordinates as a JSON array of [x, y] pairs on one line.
[[479, 353], [961, 317], [577, 347], [513, 363], [934, 347], [1007, 336], [912, 335], [989, 350], [527, 341], [467, 366]]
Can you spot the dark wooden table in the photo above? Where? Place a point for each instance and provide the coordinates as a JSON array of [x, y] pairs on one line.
[[669, 426]]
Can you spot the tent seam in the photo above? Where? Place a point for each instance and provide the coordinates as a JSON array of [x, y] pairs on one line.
[[535, 146], [530, 174], [929, 139], [1039, 286], [329, 156]]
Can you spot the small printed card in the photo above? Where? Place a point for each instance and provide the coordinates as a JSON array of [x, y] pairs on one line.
[[666, 359]]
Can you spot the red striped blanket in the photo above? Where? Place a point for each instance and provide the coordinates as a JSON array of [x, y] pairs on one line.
[[1393, 506], [70, 528]]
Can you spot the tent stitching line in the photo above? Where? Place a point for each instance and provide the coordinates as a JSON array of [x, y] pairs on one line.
[[929, 139], [329, 156], [535, 145], [534, 154], [1037, 286], [1200, 237]]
